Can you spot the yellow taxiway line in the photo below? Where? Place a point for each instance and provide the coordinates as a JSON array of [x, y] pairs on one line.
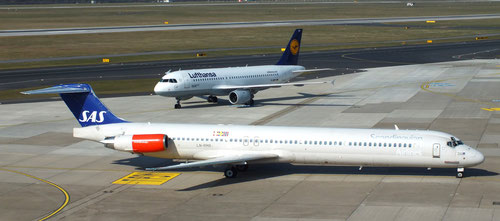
[[66, 194]]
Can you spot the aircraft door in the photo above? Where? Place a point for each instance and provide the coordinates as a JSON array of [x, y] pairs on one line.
[[245, 141], [186, 83], [256, 141], [436, 150]]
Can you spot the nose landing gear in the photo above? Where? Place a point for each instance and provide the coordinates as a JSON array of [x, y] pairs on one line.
[[178, 105], [460, 172]]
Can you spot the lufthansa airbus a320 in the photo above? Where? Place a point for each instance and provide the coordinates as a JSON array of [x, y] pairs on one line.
[[240, 83]]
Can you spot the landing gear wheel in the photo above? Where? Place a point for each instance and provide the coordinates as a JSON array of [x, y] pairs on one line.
[[231, 172], [251, 102], [460, 172], [178, 105], [242, 168], [212, 99]]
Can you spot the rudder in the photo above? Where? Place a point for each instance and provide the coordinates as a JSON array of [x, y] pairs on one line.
[[291, 54]]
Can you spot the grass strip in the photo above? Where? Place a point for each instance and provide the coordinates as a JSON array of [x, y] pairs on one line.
[[102, 87], [30, 47]]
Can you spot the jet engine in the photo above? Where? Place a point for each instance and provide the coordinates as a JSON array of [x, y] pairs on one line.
[[240, 96], [139, 143]]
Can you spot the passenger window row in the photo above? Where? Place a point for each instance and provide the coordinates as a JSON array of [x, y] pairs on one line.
[[307, 142], [376, 144], [235, 77], [248, 140]]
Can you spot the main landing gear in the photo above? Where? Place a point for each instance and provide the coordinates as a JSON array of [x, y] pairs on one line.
[[460, 172], [250, 102], [232, 171], [212, 99]]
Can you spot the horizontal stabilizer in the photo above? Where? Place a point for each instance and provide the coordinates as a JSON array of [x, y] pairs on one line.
[[231, 159], [62, 89]]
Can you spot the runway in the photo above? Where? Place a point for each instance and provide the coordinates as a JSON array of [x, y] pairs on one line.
[[118, 29], [36, 140]]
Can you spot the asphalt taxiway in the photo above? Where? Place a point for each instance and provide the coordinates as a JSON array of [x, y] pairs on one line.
[[42, 166], [343, 61]]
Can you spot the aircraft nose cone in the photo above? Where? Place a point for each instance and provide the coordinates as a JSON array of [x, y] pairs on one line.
[[480, 157], [476, 157], [158, 88]]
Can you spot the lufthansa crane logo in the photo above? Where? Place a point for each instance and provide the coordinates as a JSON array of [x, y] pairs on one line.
[[294, 47]]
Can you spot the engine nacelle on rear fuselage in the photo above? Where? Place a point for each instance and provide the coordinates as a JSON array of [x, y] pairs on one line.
[[240, 96], [139, 143]]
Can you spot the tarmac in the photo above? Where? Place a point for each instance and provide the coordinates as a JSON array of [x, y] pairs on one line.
[[343, 61], [46, 173]]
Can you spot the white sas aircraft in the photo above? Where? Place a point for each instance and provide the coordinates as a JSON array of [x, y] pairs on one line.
[[240, 83], [238, 146]]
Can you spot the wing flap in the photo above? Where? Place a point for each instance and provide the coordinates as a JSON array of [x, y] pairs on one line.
[[312, 70], [234, 87], [230, 159]]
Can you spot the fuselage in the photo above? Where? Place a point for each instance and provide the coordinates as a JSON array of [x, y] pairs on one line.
[[361, 147], [185, 84]]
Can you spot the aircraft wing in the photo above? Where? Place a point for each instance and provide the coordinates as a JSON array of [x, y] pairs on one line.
[[298, 84], [229, 159], [312, 70]]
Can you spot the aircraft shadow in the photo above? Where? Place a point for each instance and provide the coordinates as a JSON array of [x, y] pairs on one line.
[[269, 101], [265, 171], [141, 162]]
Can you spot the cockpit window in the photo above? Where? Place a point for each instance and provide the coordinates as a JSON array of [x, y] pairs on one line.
[[170, 80], [454, 142]]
